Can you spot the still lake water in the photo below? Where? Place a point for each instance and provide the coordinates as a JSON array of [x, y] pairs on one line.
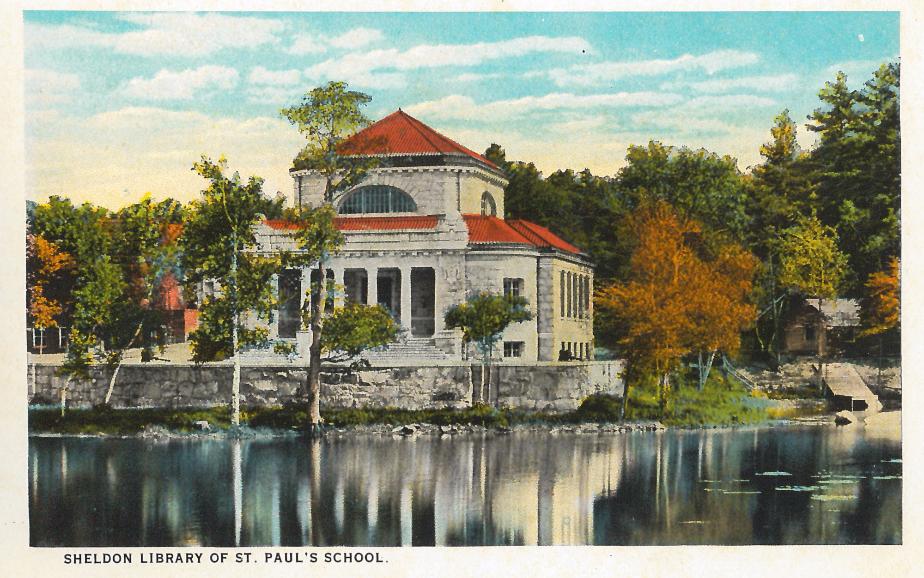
[[765, 485]]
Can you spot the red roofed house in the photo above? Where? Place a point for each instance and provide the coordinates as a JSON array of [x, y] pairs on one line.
[[424, 231]]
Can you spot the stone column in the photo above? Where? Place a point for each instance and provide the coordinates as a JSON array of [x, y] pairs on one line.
[[438, 288], [274, 324], [406, 298], [372, 280], [306, 283], [339, 288]]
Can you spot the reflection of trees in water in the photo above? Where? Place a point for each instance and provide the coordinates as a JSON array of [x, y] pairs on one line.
[[644, 488]]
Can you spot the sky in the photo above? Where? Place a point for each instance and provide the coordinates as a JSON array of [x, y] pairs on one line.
[[120, 104]]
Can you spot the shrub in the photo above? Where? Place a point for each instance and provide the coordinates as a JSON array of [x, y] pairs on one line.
[[599, 407]]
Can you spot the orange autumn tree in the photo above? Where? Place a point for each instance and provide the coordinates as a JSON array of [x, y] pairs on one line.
[[880, 308], [720, 303], [652, 306], [45, 263], [678, 298]]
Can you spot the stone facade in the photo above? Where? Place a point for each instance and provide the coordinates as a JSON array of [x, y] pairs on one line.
[[554, 387], [444, 240]]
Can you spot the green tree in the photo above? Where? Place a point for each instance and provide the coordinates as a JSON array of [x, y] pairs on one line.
[[780, 189], [145, 254], [857, 166], [327, 117], [354, 328], [699, 185], [812, 264], [483, 318], [100, 288], [218, 243]]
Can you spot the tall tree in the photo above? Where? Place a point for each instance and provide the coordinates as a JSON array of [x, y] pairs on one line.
[[699, 185], [720, 302], [857, 166], [483, 318], [146, 253], [47, 265], [880, 308], [780, 189], [653, 305], [327, 116], [812, 264], [218, 243]]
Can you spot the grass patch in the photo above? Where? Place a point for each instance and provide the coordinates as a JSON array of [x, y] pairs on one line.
[[103, 419], [721, 402]]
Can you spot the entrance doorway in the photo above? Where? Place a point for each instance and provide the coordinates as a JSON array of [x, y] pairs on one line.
[[389, 291], [423, 306], [290, 292]]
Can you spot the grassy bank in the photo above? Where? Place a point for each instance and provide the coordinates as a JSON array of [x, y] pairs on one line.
[[720, 403]]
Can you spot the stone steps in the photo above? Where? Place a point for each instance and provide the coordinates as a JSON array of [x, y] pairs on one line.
[[411, 349]]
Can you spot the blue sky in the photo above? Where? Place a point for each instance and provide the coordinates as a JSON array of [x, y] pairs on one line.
[[120, 104]]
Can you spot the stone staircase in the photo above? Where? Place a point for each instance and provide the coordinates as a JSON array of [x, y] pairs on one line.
[[410, 350]]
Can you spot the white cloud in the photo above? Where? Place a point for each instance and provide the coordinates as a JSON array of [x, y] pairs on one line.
[[46, 87], [724, 103], [260, 75], [304, 44], [438, 55], [357, 38], [477, 77], [102, 159], [181, 85], [680, 123], [274, 86], [599, 73], [580, 125], [769, 83], [465, 108], [160, 33]]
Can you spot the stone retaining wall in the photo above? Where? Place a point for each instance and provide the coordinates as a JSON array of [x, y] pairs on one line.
[[555, 387]]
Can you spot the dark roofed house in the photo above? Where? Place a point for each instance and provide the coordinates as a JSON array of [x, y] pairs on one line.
[[832, 323]]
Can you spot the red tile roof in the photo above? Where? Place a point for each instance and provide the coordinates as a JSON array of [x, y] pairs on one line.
[[482, 230], [542, 237], [401, 134], [488, 230], [411, 222]]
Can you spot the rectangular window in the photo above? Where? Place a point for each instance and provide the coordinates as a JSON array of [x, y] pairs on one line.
[[561, 296], [513, 348], [513, 287], [587, 290], [568, 288], [810, 333]]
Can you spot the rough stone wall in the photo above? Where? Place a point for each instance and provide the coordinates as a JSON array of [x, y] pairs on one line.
[[556, 387]]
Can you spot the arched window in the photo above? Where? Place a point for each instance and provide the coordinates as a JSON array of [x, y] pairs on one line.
[[488, 207], [377, 199]]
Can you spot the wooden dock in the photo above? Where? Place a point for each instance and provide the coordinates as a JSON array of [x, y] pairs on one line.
[[844, 384]]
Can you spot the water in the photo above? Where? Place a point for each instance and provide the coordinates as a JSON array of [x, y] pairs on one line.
[[782, 485]]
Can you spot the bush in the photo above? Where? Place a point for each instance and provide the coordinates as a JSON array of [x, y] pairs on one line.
[[599, 407]]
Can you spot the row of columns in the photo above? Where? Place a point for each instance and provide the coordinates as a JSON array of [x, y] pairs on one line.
[[372, 290]]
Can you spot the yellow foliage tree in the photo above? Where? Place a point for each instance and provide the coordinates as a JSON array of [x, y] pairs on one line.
[[677, 299]]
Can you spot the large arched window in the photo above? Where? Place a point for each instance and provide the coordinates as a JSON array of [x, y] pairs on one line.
[[488, 206], [377, 199]]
